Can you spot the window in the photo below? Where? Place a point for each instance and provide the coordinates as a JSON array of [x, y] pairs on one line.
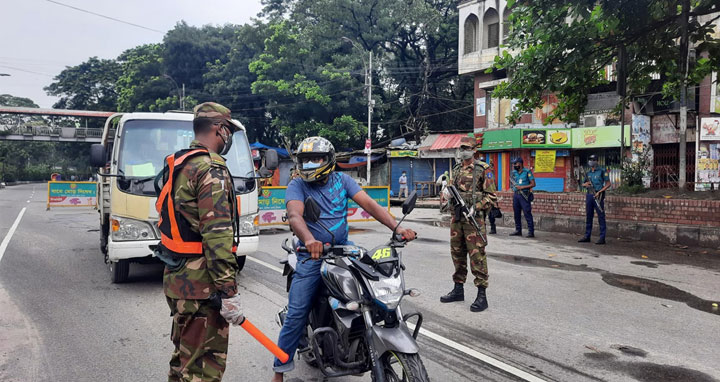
[[491, 29], [471, 34]]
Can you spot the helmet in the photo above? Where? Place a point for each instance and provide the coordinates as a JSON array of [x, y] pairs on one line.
[[314, 147]]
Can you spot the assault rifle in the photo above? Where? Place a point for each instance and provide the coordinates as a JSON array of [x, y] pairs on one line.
[[591, 188], [514, 185], [466, 212]]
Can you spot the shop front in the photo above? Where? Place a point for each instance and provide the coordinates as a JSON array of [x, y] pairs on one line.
[[603, 141]]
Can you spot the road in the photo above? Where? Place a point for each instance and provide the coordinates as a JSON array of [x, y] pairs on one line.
[[559, 311]]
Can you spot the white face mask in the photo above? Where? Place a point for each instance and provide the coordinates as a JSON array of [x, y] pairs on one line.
[[466, 154], [592, 163]]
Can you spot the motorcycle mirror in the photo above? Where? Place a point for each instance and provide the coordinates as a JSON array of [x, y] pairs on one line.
[[312, 210], [409, 203]]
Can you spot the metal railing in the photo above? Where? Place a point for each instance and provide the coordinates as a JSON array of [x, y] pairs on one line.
[[78, 133]]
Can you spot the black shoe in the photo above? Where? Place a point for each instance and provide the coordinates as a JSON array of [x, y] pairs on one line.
[[493, 231], [480, 302], [516, 233], [457, 294], [585, 239], [531, 234], [601, 241]]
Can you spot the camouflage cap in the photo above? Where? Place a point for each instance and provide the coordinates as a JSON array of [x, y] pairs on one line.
[[216, 111], [467, 142]]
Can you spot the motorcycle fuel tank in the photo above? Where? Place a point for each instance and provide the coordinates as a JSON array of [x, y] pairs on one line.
[[340, 282]]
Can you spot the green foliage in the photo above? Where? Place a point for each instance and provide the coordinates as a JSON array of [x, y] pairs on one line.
[[88, 86], [634, 170], [563, 46]]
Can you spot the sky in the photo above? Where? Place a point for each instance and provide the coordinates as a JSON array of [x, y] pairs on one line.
[[39, 38]]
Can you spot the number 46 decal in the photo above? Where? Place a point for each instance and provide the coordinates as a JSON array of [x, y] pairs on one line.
[[382, 253]]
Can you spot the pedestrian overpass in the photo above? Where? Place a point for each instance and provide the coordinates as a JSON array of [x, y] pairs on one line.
[[51, 133]]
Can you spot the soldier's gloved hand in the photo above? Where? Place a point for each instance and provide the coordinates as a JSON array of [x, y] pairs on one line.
[[231, 310]]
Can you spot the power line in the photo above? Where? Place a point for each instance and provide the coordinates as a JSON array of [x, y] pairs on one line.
[[25, 70], [103, 16]]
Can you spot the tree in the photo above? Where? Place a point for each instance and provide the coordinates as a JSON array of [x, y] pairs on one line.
[[11, 120], [564, 46], [88, 86]]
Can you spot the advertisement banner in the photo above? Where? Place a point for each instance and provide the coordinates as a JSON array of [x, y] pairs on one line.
[[710, 129], [72, 194], [271, 202], [714, 94], [545, 161], [603, 136], [538, 138], [501, 139]]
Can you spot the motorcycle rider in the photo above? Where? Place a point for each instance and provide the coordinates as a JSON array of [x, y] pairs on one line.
[[315, 162]]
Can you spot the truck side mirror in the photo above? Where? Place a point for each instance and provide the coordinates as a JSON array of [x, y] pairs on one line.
[[271, 159], [97, 155]]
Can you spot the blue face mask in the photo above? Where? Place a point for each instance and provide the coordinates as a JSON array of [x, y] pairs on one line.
[[311, 165]]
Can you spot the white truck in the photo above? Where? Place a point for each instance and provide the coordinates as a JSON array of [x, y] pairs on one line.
[[133, 148]]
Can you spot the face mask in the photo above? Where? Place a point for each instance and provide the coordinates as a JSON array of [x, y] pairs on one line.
[[518, 167], [227, 141], [310, 165], [592, 163], [466, 154]]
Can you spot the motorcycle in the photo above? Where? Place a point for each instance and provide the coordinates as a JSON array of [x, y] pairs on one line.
[[356, 323]]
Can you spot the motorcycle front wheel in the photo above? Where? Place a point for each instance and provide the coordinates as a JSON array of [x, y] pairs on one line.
[[402, 367]]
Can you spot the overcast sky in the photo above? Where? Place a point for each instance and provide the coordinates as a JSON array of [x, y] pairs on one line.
[[39, 38]]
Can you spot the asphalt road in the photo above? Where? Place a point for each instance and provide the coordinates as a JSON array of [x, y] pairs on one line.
[[559, 311]]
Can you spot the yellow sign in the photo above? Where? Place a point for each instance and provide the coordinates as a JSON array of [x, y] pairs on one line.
[[545, 161], [403, 153]]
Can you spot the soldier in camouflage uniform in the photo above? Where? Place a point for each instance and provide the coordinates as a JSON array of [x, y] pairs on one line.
[[201, 289], [477, 191]]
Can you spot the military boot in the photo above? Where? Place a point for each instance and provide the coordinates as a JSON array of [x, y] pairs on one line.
[[457, 294], [480, 302], [493, 231]]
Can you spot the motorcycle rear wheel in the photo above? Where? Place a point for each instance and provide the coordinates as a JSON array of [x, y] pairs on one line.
[[402, 367]]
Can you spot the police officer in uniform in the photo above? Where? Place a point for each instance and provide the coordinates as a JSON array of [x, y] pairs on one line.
[[597, 179], [469, 177], [524, 181], [198, 213]]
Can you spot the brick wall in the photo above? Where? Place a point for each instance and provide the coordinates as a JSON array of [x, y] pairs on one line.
[[650, 210]]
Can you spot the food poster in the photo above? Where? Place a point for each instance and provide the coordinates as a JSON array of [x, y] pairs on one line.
[[546, 138]]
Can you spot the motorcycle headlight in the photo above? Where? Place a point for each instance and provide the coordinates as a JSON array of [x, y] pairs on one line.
[[124, 229], [388, 291], [248, 225]]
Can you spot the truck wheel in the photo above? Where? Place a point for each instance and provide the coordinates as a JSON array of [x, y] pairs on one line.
[[240, 262], [119, 271]]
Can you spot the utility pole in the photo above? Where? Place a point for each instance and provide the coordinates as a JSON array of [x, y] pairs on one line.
[[684, 49], [370, 111]]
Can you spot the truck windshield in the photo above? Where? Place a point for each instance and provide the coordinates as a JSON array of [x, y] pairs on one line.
[[144, 144]]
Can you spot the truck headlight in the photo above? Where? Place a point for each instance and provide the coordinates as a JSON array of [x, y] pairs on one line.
[[248, 225], [388, 291], [124, 229]]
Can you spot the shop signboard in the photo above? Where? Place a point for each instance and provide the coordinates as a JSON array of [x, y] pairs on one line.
[[596, 137], [546, 138], [271, 202], [72, 194], [403, 154], [710, 129], [501, 139]]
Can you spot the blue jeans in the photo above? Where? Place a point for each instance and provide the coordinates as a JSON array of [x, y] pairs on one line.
[[305, 283], [590, 208], [521, 204]]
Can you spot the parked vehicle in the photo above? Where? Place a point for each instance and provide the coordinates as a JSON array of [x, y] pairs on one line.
[[356, 324]]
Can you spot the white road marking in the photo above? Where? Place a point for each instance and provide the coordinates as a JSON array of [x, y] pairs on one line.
[[10, 233], [450, 343], [267, 265]]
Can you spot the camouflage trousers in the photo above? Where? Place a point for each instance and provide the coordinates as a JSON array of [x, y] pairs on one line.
[[464, 243], [200, 336]]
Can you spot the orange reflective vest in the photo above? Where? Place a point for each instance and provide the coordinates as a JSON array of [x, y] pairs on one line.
[[176, 234]]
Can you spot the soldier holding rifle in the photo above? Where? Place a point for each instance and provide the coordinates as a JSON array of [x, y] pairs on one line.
[[471, 197]]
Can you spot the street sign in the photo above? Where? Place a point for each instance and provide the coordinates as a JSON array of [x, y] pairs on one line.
[[368, 146]]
